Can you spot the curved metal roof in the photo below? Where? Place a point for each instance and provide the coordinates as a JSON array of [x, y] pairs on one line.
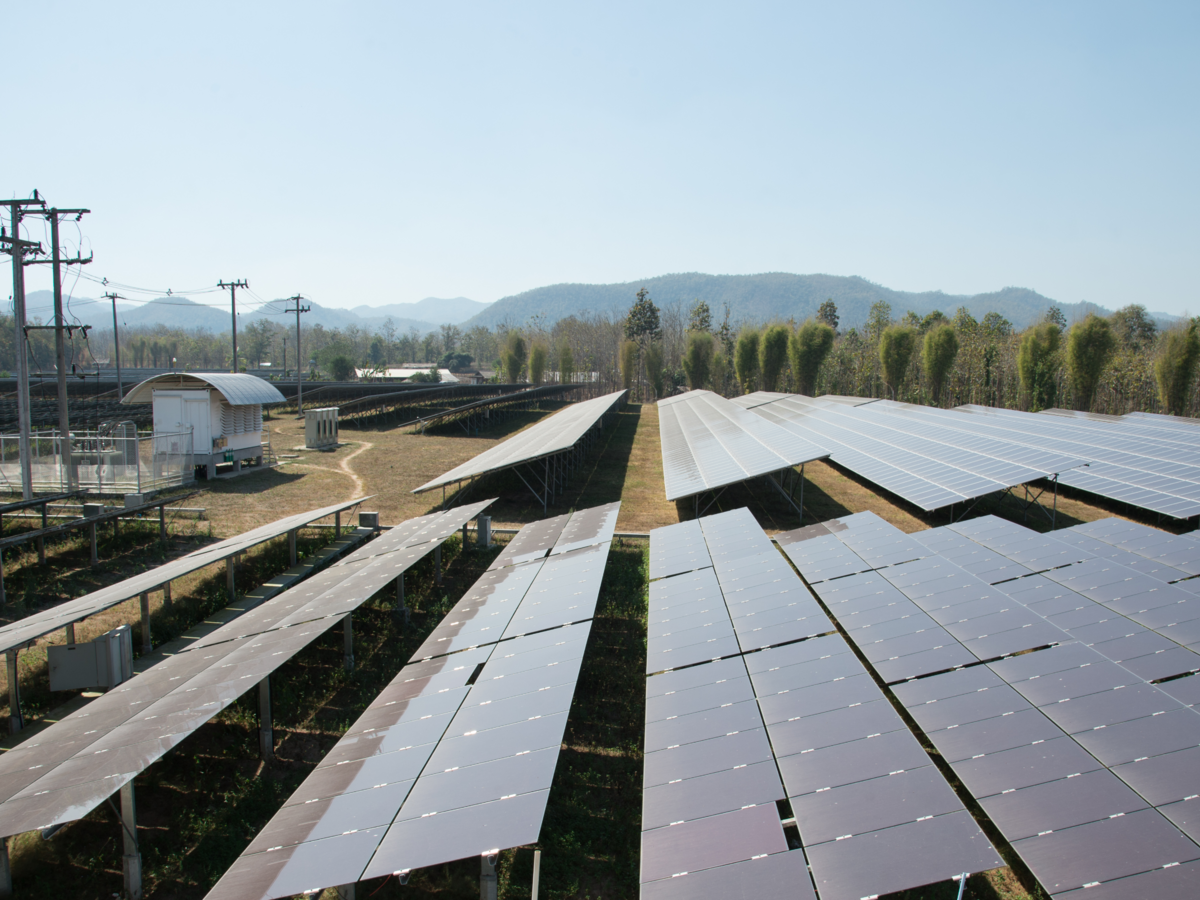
[[237, 389]]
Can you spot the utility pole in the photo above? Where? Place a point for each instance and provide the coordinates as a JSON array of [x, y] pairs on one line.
[[18, 250], [117, 344], [60, 329], [285, 356], [233, 286], [296, 298]]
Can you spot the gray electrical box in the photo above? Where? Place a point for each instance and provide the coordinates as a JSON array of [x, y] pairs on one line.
[[103, 663]]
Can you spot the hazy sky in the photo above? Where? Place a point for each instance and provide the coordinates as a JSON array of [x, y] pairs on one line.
[[382, 153]]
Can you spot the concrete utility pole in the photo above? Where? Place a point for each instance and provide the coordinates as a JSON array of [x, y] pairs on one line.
[[285, 356], [60, 331], [117, 344], [296, 298], [233, 286], [19, 248]]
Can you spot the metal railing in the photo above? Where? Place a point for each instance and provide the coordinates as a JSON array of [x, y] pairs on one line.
[[113, 459]]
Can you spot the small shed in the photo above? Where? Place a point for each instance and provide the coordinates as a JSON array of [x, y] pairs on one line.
[[223, 412]]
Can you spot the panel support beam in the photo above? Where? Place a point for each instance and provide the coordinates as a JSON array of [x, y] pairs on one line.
[[401, 605], [348, 637], [293, 558], [147, 646], [487, 877]]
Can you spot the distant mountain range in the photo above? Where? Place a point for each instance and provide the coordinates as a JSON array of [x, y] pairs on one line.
[[752, 298], [180, 312], [771, 296]]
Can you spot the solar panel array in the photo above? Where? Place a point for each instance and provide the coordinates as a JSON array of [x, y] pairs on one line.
[[709, 442], [63, 772], [923, 461], [1087, 768], [754, 702], [554, 434], [456, 756], [1139, 460], [25, 631]]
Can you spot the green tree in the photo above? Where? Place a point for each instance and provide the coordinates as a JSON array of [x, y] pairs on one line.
[[1175, 368], [772, 355], [1037, 364], [698, 360], [1056, 316], [629, 364], [933, 320], [828, 313], [896, 346], [1089, 346], [700, 317], [341, 367], [378, 355], [808, 348], [941, 346], [654, 368], [513, 357], [745, 359], [566, 363], [537, 362], [1133, 327]]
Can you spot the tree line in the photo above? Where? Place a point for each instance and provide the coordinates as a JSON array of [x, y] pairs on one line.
[[1114, 364]]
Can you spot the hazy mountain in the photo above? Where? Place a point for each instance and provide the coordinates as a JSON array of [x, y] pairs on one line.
[[775, 295], [450, 311]]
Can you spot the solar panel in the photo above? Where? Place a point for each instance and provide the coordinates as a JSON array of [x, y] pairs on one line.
[[850, 766], [476, 748], [554, 434], [25, 631], [920, 460], [709, 442], [155, 710]]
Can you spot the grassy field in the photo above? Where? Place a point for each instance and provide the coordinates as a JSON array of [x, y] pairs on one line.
[[202, 804]]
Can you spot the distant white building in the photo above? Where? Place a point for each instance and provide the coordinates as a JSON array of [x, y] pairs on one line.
[[403, 373]]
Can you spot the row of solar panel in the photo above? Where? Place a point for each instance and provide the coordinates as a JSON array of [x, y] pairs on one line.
[[456, 756], [763, 705], [24, 631], [1084, 766], [63, 772]]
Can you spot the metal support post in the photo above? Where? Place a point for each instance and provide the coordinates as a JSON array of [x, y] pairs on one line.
[[537, 873], [146, 645], [401, 606], [5, 871], [266, 735], [95, 549], [230, 585], [162, 523], [487, 877], [132, 862], [15, 723], [464, 537], [437, 562], [3, 596], [337, 525], [962, 884], [167, 602], [348, 635], [292, 556]]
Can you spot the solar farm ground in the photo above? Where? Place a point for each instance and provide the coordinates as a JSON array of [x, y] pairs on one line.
[[200, 806]]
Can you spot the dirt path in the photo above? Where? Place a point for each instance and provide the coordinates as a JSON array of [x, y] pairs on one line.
[[344, 468]]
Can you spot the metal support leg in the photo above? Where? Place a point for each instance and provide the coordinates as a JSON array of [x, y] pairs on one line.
[[71, 635], [41, 542], [337, 525], [162, 523], [133, 859], [464, 537], [401, 605], [266, 734], [537, 874], [487, 877], [230, 586], [5, 871], [15, 723], [92, 538], [146, 645], [292, 555], [3, 595], [437, 562], [348, 633]]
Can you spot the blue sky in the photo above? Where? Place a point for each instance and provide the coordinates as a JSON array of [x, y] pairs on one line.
[[382, 153]]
